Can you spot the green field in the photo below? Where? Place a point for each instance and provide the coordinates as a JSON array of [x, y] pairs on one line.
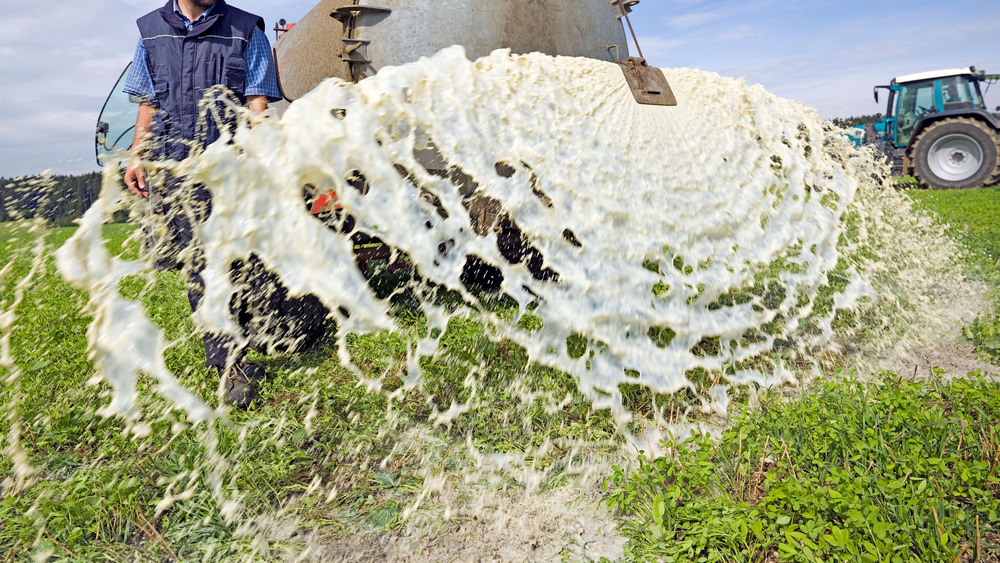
[[95, 490], [888, 470]]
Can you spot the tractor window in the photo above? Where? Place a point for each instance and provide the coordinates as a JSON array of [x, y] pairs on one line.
[[955, 90], [977, 97], [916, 99], [116, 125], [959, 93]]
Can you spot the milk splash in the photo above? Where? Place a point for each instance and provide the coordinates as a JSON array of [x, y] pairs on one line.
[[683, 239], [682, 250]]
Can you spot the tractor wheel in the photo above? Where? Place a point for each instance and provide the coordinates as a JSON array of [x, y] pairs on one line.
[[955, 153], [996, 173]]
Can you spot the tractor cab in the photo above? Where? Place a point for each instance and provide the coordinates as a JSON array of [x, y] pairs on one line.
[[937, 129], [917, 100]]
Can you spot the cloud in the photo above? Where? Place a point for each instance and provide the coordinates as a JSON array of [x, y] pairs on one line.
[[660, 49], [59, 60], [35, 136], [839, 82], [695, 19], [738, 33]]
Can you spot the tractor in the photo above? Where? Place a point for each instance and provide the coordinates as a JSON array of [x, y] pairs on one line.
[[937, 129]]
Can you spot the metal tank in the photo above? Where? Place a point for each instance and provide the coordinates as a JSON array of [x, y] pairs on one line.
[[352, 40]]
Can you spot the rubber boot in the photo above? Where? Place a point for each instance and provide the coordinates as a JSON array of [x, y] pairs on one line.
[[237, 384]]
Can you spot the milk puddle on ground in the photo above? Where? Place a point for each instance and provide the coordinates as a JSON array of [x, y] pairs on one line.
[[693, 251]]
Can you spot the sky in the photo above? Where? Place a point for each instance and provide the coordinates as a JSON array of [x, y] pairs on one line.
[[60, 58]]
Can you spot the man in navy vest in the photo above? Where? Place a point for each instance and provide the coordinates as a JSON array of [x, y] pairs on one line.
[[187, 47]]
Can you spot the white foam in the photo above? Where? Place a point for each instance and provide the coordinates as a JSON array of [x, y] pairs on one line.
[[731, 189]]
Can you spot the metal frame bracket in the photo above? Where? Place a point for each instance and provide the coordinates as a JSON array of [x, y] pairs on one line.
[[625, 5]]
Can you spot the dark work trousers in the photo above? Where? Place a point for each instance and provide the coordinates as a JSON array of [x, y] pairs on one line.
[[269, 318], [180, 217]]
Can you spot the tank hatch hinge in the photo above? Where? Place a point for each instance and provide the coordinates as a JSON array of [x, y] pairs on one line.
[[345, 13], [648, 84]]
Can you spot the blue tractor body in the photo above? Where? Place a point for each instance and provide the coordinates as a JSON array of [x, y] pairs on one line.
[[937, 128]]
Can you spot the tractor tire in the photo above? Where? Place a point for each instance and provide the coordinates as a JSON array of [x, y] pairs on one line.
[[955, 153], [995, 180]]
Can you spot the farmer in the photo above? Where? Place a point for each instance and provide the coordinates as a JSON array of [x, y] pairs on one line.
[[952, 95], [185, 48]]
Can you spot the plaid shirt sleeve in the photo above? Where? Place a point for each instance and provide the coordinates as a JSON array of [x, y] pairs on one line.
[[138, 82], [262, 76]]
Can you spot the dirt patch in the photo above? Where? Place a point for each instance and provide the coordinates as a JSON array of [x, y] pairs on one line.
[[941, 345], [983, 552], [469, 524]]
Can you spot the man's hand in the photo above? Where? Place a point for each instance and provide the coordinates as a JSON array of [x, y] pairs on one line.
[[135, 180], [257, 105]]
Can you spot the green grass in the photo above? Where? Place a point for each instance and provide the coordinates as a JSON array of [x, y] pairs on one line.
[[96, 488], [974, 216], [896, 471], [766, 487], [891, 470]]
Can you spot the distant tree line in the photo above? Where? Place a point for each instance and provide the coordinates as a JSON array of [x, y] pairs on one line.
[[854, 121], [59, 200]]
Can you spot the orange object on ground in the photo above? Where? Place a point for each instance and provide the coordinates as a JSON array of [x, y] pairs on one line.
[[325, 202]]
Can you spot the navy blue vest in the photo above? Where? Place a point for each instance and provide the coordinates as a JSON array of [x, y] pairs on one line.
[[183, 64]]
